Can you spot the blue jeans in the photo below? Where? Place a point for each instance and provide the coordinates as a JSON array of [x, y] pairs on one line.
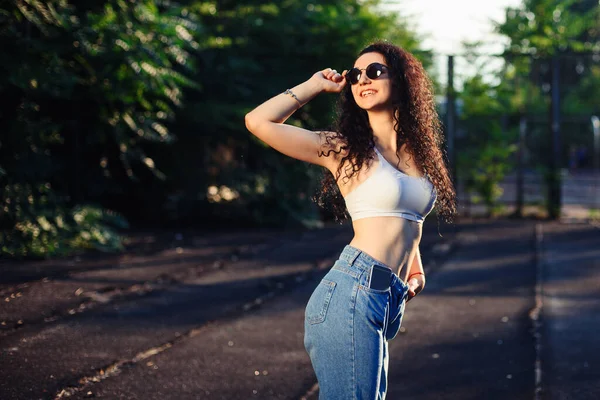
[[347, 326]]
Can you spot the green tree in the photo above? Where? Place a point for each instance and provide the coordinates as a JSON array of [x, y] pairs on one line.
[[487, 142], [94, 118], [538, 32], [86, 87], [255, 51]]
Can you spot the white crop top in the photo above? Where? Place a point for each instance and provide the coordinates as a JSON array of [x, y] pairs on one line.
[[389, 192]]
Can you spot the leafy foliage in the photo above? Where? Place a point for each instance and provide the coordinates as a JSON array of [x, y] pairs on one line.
[[487, 146], [546, 27], [86, 86], [255, 51], [94, 92], [537, 31], [45, 227]]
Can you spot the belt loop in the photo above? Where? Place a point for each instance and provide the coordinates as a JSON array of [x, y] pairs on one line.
[[355, 256]]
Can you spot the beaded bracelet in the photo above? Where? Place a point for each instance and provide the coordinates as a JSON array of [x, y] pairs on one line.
[[288, 91]]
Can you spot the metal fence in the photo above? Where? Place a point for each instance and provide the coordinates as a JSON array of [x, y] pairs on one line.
[[548, 109]]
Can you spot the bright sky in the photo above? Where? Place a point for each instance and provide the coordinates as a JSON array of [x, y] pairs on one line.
[[446, 23]]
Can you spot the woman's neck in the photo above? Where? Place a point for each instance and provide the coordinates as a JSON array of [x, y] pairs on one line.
[[382, 125]]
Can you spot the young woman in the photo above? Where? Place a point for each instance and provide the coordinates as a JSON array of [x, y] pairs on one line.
[[388, 172]]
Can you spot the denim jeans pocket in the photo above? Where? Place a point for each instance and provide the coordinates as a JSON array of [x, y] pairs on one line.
[[373, 291], [373, 304], [316, 308]]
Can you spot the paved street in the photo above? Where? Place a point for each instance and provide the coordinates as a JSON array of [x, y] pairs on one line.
[[469, 335], [571, 311], [509, 307]]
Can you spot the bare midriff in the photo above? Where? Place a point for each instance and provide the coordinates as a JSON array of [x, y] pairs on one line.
[[391, 240]]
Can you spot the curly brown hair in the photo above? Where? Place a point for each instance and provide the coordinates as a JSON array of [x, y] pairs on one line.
[[415, 121]]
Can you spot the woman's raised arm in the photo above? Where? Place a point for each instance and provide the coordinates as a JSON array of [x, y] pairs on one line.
[[267, 120]]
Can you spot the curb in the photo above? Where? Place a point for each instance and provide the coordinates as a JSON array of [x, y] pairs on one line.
[[535, 315]]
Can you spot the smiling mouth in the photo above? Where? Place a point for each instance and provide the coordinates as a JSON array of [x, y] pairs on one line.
[[367, 93]]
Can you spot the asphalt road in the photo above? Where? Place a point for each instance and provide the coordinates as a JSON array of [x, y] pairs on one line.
[[221, 317], [570, 348]]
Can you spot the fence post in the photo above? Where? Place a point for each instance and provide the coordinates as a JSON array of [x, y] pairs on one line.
[[520, 167], [554, 178], [596, 130]]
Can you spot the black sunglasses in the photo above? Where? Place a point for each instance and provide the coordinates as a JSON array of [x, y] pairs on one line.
[[373, 71]]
